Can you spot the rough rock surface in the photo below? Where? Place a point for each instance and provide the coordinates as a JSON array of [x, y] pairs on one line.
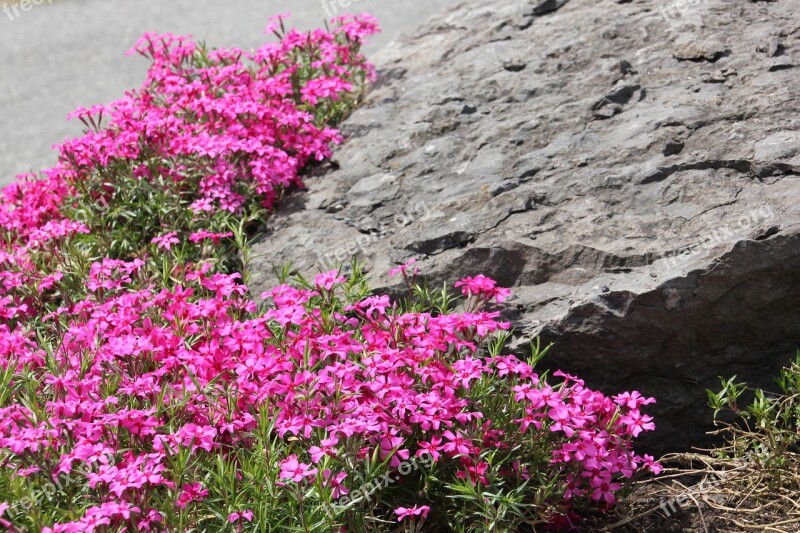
[[629, 168]]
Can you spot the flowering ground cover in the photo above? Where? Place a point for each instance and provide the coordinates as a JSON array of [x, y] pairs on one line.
[[143, 388]]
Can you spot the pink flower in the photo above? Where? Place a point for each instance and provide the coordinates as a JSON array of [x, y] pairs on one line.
[[166, 241], [202, 437], [651, 464], [119, 509], [483, 287], [375, 303], [392, 446], [29, 471], [637, 422], [458, 445], [632, 400], [402, 268], [191, 492], [430, 448], [244, 515], [202, 205], [528, 392], [292, 469], [561, 417], [276, 21], [404, 512], [215, 238], [604, 489], [475, 473], [335, 481], [328, 280], [324, 88], [328, 448]]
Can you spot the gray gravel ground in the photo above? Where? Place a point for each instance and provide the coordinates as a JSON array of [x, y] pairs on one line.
[[62, 54]]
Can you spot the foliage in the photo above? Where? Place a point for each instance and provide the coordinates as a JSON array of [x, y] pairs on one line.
[[767, 430]]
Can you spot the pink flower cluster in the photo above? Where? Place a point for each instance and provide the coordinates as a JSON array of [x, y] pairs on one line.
[[483, 288], [142, 384], [234, 118], [224, 126], [370, 376]]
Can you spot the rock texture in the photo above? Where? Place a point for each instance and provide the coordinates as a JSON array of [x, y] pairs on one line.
[[629, 168]]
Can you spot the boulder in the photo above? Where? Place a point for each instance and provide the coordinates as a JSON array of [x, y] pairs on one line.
[[629, 169]]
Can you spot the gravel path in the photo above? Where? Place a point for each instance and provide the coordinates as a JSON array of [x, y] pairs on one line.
[[62, 54]]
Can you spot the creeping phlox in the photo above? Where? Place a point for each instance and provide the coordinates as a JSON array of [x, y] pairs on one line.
[[216, 129], [172, 400], [140, 374]]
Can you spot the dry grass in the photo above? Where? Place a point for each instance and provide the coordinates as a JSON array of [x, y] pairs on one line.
[[699, 492]]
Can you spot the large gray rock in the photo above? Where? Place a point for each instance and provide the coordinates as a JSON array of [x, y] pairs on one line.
[[628, 168]]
